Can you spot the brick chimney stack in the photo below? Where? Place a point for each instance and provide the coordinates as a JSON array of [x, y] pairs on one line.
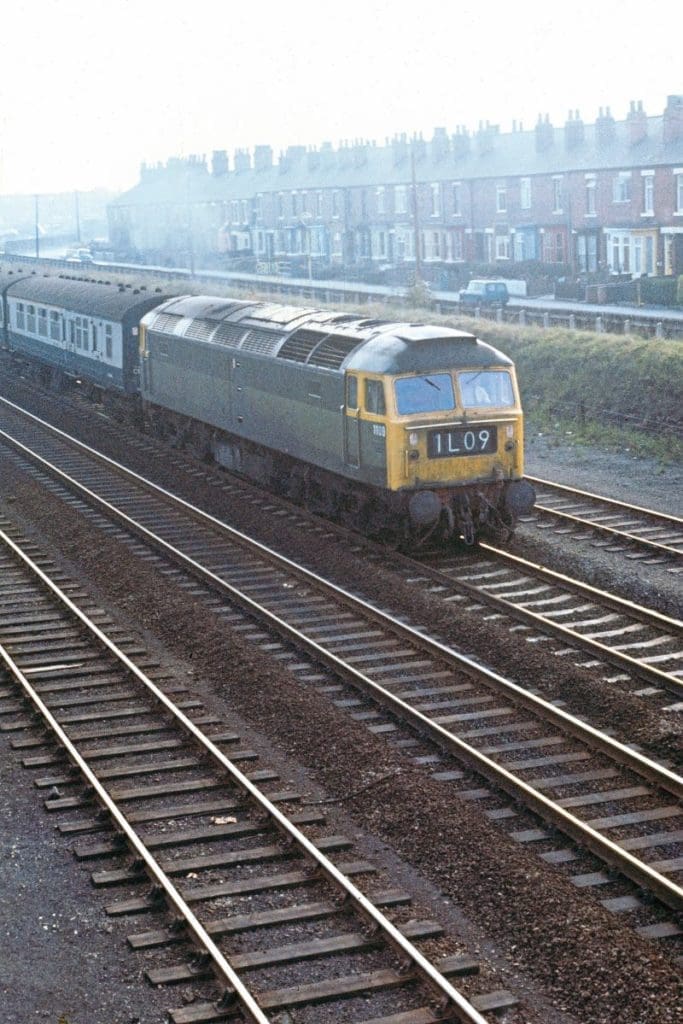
[[241, 161], [263, 158], [605, 129], [637, 123], [399, 149], [460, 142], [219, 163], [574, 131], [672, 127], [440, 144], [545, 134]]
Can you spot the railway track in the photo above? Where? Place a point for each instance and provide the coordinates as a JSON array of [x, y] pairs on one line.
[[642, 645], [191, 822], [639, 533], [573, 778]]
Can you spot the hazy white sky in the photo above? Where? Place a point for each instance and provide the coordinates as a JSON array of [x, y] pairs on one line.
[[92, 88]]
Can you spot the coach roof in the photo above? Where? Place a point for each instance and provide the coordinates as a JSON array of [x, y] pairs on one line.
[[85, 297]]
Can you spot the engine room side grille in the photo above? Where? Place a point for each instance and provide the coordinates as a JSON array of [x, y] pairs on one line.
[[299, 345], [333, 351], [263, 343], [165, 322], [201, 330], [229, 334]]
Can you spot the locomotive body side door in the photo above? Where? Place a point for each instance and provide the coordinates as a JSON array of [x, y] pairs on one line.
[[351, 416]]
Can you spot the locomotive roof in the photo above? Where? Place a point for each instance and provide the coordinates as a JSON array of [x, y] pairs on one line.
[[321, 338], [86, 297]]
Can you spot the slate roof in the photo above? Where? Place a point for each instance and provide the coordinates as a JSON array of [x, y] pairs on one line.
[[511, 154]]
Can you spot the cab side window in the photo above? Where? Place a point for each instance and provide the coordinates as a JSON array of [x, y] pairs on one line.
[[374, 397]]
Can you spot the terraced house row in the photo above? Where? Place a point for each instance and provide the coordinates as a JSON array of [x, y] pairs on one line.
[[601, 196]]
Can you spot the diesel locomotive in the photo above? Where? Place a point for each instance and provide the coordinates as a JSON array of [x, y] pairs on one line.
[[406, 431]]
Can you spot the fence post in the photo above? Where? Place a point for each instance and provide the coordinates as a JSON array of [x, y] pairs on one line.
[[546, 319], [598, 325], [659, 329], [522, 317], [627, 326], [572, 322], [499, 316]]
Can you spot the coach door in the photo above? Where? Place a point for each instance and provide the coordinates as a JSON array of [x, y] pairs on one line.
[[351, 415]]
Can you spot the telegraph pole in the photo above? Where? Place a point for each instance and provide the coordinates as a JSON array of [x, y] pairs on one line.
[[37, 231], [416, 221]]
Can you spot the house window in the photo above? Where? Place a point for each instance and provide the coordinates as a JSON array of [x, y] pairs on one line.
[[380, 201], [502, 247], [259, 205], [621, 187], [401, 199], [679, 192], [457, 199], [234, 211], [295, 204], [304, 202], [557, 195], [648, 193], [619, 252], [320, 204], [501, 199], [456, 245], [587, 253], [525, 193], [336, 203], [590, 197], [245, 211], [280, 205], [436, 199]]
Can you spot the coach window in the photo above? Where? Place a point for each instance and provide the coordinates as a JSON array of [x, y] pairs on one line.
[[108, 341], [55, 332], [31, 319], [42, 321], [21, 322], [374, 397], [93, 337]]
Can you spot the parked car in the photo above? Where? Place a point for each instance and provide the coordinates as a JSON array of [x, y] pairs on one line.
[[485, 293], [79, 256]]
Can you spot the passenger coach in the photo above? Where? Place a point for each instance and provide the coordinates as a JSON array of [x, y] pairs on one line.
[[81, 329]]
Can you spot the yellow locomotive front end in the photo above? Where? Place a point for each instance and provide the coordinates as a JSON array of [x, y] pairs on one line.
[[454, 437]]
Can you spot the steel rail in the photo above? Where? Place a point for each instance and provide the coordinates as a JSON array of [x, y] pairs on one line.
[[615, 502], [449, 996], [581, 730], [610, 852], [539, 621], [611, 531], [620, 604]]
